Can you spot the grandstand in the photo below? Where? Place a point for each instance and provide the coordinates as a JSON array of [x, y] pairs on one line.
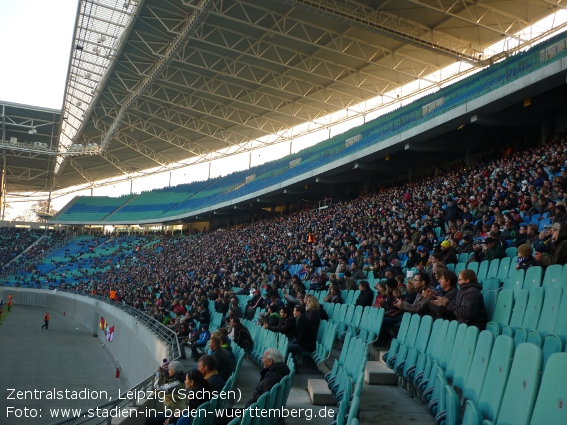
[[377, 195]]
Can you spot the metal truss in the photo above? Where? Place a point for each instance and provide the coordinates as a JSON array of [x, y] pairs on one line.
[[158, 67], [476, 13], [395, 27]]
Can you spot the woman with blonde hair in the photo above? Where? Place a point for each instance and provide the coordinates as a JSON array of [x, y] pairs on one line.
[[312, 310]]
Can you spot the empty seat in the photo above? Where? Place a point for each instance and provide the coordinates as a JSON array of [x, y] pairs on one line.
[[504, 268], [514, 280], [490, 303], [552, 277], [496, 377], [502, 311], [533, 278], [549, 311], [522, 386], [550, 408]]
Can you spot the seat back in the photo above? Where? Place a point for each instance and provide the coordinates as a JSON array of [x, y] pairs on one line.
[[438, 342], [404, 326], [435, 336], [493, 268], [456, 350], [465, 358], [504, 269], [479, 365], [463, 258], [482, 270], [460, 266], [550, 408], [511, 252], [423, 333], [496, 377], [490, 284], [561, 322], [474, 267], [533, 278], [490, 303], [522, 387], [533, 309], [552, 277], [551, 345], [515, 280], [449, 341], [549, 310], [413, 329], [519, 310], [503, 309]]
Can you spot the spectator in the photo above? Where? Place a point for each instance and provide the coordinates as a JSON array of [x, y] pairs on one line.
[[365, 297], [273, 372], [171, 384], [306, 335], [448, 281], [468, 306], [201, 342], [525, 258], [208, 367], [198, 392], [225, 363], [241, 335], [558, 248]]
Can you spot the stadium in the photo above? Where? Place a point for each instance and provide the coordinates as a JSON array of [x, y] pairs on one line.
[[400, 256]]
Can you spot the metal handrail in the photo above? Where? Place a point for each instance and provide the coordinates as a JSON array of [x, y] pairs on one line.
[[163, 332]]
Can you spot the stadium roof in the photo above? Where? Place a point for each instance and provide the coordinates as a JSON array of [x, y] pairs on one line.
[[164, 83]]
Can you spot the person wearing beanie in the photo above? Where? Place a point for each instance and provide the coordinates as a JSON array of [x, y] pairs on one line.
[[171, 384], [448, 253], [525, 258]]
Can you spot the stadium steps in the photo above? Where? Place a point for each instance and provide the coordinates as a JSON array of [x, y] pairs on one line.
[[120, 207]]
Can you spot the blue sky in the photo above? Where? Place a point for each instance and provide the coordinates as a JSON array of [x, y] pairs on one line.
[[36, 40]]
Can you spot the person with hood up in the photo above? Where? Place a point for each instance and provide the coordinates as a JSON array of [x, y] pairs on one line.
[[468, 306], [558, 247]]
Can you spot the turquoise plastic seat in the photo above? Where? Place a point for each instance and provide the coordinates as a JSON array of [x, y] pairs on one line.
[[515, 280], [482, 270], [479, 366], [503, 309], [552, 277], [561, 321], [496, 377], [550, 408], [533, 278], [550, 310], [504, 268], [493, 268], [522, 386], [448, 345], [518, 312], [490, 303]]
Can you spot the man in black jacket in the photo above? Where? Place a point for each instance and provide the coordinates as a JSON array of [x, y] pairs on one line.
[[273, 372], [468, 306], [306, 336]]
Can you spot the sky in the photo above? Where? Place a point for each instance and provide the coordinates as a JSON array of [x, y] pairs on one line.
[[37, 37], [36, 41]]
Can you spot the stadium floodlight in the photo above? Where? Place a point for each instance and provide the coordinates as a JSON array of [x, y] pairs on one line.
[[32, 131]]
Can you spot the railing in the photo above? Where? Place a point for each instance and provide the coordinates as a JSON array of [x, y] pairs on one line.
[[173, 349]]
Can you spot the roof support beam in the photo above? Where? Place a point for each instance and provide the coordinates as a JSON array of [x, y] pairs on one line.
[[394, 27], [448, 10], [189, 25], [84, 174]]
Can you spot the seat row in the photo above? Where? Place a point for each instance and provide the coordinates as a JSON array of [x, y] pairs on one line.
[[263, 339], [362, 321], [428, 356], [538, 316]]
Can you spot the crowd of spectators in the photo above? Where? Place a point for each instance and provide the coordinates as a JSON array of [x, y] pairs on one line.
[[14, 240], [480, 209]]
